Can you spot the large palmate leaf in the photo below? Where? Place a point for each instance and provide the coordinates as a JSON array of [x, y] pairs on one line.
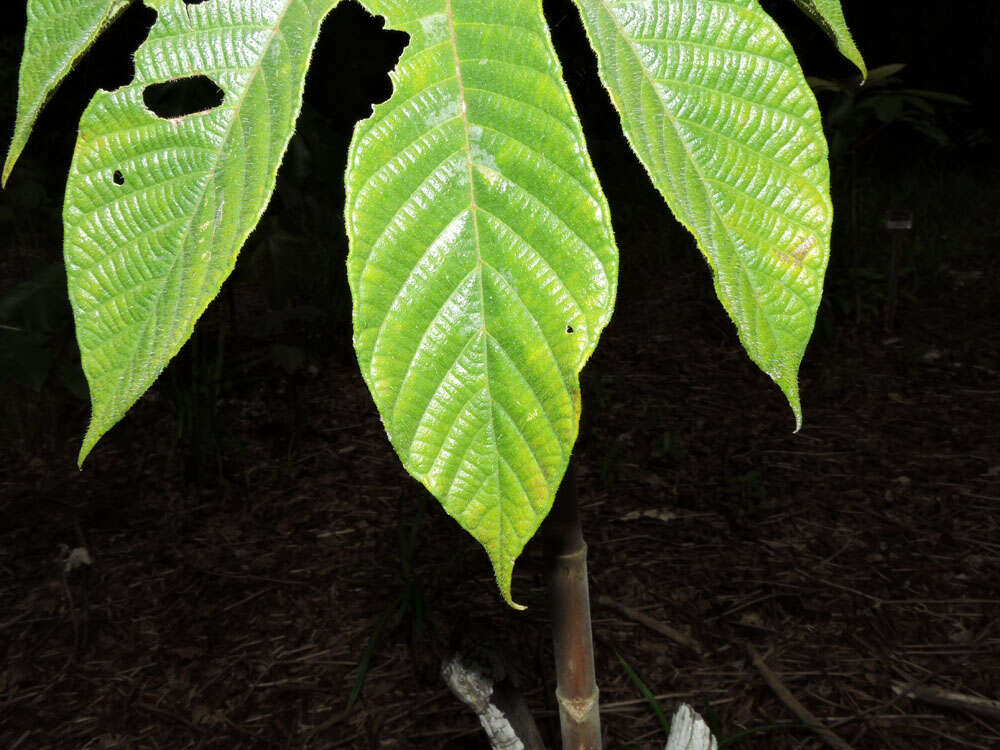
[[714, 103], [157, 209], [482, 263], [58, 33], [830, 16]]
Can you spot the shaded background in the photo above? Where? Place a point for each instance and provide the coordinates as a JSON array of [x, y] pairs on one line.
[[258, 550]]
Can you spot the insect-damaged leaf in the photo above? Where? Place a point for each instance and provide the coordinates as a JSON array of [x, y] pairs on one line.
[[58, 33], [157, 209], [482, 263]]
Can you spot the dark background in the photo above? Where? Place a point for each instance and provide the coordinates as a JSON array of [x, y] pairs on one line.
[[258, 550]]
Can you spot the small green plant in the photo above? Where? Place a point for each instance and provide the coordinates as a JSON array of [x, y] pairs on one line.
[[860, 109], [409, 606], [192, 386], [39, 367], [863, 118], [482, 262]]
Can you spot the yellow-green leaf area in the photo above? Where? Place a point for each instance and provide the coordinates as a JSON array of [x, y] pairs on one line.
[[829, 14], [713, 102], [156, 210], [58, 33], [482, 263]]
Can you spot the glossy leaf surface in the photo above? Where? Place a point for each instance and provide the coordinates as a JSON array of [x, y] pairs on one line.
[[157, 209], [58, 33], [482, 263], [715, 105], [830, 16]]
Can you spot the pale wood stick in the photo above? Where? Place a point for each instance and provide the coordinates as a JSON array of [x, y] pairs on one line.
[[501, 709], [949, 699], [688, 731]]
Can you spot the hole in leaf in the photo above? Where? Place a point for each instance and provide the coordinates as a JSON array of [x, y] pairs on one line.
[[110, 63], [349, 72], [569, 329], [185, 96], [193, 2], [118, 178]]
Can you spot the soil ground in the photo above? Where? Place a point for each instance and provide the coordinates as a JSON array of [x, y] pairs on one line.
[[237, 611]]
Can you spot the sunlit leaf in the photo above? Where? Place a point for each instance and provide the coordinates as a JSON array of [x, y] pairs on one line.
[[830, 16], [482, 263], [157, 209], [716, 107], [58, 33]]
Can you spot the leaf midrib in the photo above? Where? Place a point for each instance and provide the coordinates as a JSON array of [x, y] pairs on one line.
[[473, 208]]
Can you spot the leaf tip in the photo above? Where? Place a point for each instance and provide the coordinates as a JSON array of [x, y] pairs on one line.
[[89, 441], [17, 144], [97, 429], [503, 569], [859, 61], [8, 166], [788, 381]]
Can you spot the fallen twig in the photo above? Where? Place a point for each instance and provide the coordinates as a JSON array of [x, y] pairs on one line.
[[501, 709], [663, 629], [949, 699], [786, 697]]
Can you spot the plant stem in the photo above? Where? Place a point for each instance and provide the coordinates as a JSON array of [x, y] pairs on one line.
[[576, 686]]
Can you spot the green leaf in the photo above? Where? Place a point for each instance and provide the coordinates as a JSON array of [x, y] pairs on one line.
[[884, 75], [482, 263], [830, 16], [716, 107], [157, 209], [58, 33]]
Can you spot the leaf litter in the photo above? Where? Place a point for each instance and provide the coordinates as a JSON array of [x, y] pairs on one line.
[[857, 555]]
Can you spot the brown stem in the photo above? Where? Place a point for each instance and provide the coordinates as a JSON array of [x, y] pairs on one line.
[[576, 685]]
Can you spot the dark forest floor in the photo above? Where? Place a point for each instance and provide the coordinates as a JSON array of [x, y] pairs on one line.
[[233, 612]]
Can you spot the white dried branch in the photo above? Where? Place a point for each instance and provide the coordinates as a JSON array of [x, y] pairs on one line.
[[688, 731], [475, 690]]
